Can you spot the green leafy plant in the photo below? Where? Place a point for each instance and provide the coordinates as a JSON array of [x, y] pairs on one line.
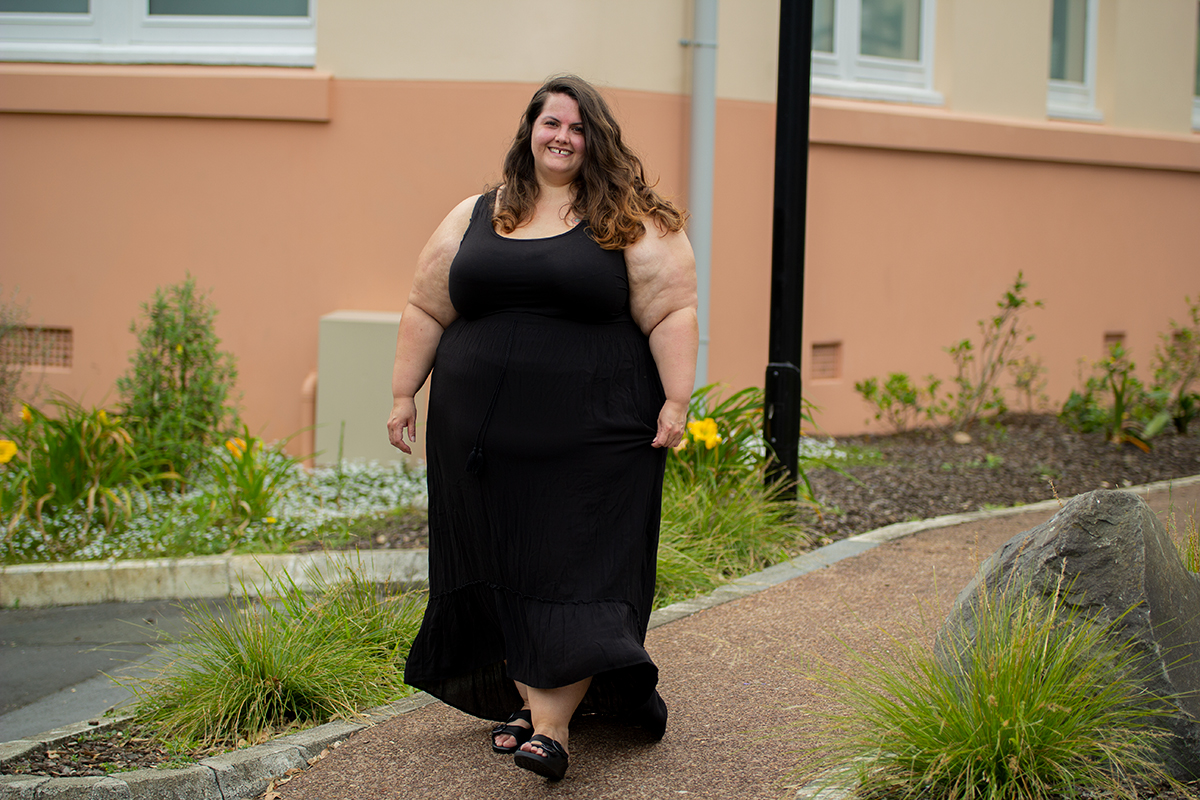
[[1029, 379], [288, 657], [1177, 368], [248, 477], [1115, 402], [978, 367], [177, 389], [1044, 706], [724, 437], [899, 401], [76, 456]]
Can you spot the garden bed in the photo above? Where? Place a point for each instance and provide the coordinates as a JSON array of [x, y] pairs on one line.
[[1032, 457]]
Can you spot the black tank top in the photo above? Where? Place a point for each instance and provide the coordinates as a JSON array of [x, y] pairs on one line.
[[567, 276]]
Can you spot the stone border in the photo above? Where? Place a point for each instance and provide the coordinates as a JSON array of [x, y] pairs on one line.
[[243, 774], [202, 577]]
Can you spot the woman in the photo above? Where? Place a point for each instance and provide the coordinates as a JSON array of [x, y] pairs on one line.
[[559, 310]]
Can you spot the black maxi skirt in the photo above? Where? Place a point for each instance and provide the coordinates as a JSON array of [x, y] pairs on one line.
[[545, 497]]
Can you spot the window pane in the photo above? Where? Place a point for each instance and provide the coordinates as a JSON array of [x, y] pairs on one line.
[[45, 6], [1198, 60], [823, 25], [891, 29], [1068, 37], [231, 8]]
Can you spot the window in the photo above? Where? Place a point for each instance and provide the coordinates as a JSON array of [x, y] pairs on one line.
[[874, 49], [1072, 89], [266, 32], [1196, 99]]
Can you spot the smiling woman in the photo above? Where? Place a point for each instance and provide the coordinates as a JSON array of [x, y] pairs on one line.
[[559, 310]]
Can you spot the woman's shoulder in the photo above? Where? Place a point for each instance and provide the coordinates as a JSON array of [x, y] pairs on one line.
[[657, 240]]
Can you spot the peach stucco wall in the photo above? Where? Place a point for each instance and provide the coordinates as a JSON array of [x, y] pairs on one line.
[[284, 220], [918, 220]]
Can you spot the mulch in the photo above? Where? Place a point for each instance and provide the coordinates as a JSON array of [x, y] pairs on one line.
[[1028, 458]]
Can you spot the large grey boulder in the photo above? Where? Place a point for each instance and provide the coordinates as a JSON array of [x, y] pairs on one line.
[[1113, 560]]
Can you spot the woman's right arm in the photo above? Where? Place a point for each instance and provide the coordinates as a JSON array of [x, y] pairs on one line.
[[427, 314]]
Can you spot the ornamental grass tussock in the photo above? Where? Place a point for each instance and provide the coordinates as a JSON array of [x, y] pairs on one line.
[[288, 657], [1045, 707]]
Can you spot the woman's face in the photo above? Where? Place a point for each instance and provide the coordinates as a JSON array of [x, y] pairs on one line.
[[557, 140]]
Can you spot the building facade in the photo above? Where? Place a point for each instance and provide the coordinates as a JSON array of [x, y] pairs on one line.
[[294, 155]]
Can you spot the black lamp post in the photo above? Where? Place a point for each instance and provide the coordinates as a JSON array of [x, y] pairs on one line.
[[781, 414]]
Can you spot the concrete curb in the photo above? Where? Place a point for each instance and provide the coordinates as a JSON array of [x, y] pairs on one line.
[[202, 577], [243, 774]]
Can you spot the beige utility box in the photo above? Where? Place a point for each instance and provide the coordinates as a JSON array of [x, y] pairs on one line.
[[355, 351]]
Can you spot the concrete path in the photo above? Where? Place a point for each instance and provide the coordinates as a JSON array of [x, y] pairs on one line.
[[738, 671], [740, 680]]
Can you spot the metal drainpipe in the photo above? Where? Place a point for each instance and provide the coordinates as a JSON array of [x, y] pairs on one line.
[[700, 163]]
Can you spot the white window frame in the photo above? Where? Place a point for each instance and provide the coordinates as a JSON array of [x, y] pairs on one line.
[[847, 73], [124, 32], [1071, 99], [1196, 113]]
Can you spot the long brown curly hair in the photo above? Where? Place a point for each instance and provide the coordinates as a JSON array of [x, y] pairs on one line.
[[611, 192]]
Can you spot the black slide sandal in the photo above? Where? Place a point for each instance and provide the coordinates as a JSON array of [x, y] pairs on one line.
[[552, 765], [518, 732]]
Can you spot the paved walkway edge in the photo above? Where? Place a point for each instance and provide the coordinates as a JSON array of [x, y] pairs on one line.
[[243, 774], [201, 577]]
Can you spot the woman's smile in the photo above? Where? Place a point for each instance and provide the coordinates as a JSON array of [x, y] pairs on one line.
[[557, 141]]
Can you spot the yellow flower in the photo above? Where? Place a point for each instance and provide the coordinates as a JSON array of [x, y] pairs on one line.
[[8, 449], [236, 446], [705, 430], [178, 348], [269, 520], [26, 414], [102, 417]]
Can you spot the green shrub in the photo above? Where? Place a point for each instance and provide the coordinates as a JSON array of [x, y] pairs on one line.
[[290, 657], [899, 401], [978, 369], [1116, 403], [1177, 368], [1044, 707], [77, 457], [177, 389]]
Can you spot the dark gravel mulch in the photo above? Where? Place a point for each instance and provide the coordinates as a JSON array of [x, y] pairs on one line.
[[101, 753], [1031, 458]]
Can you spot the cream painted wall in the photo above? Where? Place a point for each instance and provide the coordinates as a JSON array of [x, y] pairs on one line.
[[627, 44], [748, 50], [1145, 64], [619, 43], [994, 58]]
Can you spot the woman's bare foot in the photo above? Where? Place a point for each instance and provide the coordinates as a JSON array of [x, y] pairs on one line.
[[505, 741]]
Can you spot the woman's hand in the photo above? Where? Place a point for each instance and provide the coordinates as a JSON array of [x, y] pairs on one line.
[[671, 421], [403, 417]]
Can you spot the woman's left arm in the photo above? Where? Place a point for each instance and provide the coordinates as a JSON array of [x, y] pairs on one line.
[[662, 298]]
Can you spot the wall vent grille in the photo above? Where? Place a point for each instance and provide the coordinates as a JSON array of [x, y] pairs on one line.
[[826, 360], [38, 347]]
